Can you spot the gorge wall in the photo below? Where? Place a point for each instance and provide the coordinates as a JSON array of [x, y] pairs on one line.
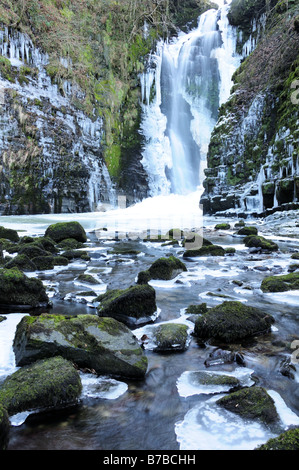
[[71, 104], [253, 153], [70, 97]]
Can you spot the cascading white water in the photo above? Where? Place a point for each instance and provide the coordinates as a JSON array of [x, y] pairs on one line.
[[191, 77]]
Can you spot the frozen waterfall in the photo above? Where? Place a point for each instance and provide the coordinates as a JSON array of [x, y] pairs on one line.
[[185, 82]]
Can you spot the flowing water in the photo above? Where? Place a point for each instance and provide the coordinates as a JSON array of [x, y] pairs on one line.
[[168, 410]]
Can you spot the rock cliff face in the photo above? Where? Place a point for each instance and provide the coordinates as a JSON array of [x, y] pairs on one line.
[[70, 99], [51, 152], [253, 153]]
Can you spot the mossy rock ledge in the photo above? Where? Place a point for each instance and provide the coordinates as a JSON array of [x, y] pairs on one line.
[[65, 230], [281, 283], [164, 269], [170, 337], [16, 289], [251, 403], [231, 322], [52, 383], [4, 428], [133, 306], [102, 344]]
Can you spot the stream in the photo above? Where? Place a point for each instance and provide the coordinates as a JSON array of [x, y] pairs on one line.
[[167, 410]]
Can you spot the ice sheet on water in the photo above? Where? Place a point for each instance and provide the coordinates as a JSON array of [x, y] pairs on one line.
[[188, 383]]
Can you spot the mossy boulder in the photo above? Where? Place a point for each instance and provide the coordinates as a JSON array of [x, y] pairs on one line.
[[248, 230], [70, 244], [22, 262], [4, 428], [288, 440], [281, 283], [43, 263], [209, 250], [9, 234], [251, 403], [87, 278], [295, 256], [164, 269], [65, 230], [60, 261], [214, 379], [171, 337], [49, 383], [102, 344], [232, 321], [76, 254], [223, 226], [198, 309], [16, 289], [255, 241], [133, 306], [32, 251]]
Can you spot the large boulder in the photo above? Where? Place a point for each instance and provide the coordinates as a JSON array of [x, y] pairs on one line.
[[16, 289], [102, 344], [281, 283], [163, 268], [4, 428], [232, 321], [64, 230], [133, 306], [251, 403], [49, 383]]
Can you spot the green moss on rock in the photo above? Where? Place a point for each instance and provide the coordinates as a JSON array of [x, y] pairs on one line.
[[171, 337], [65, 230], [281, 283], [210, 250], [164, 269], [17, 289], [288, 440], [102, 344], [232, 321], [255, 241], [251, 403], [50, 383], [9, 234], [4, 428], [21, 262], [248, 230], [135, 304]]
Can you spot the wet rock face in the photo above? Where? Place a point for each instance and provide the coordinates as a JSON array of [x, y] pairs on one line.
[[102, 344], [51, 155], [252, 157]]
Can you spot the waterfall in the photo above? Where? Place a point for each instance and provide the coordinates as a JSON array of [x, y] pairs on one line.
[[186, 81]]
